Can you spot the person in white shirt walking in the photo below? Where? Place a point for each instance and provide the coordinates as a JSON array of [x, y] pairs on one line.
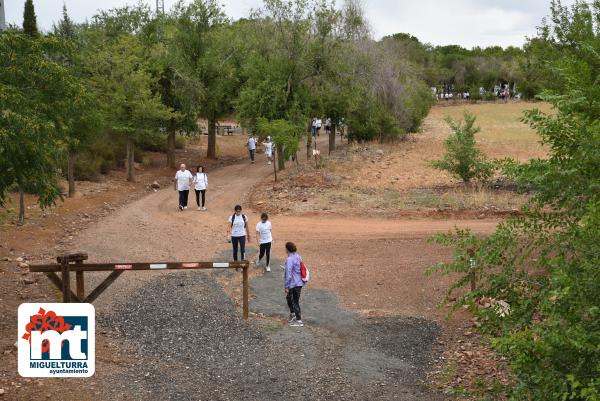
[[319, 125], [268, 145], [264, 237], [251, 147], [238, 228], [183, 181], [200, 185]]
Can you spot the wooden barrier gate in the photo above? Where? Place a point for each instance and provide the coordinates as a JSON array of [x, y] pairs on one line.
[[74, 263]]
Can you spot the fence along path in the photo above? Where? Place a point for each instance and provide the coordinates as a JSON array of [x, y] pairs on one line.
[[75, 263]]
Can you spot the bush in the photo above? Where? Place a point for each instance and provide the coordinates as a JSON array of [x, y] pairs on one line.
[[463, 159]]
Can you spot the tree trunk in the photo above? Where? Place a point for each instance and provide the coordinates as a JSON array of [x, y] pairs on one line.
[[332, 138], [211, 151], [308, 147], [280, 158], [71, 172], [171, 149], [275, 164], [21, 220], [129, 163]]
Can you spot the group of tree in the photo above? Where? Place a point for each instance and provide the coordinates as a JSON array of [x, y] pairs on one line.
[[538, 275], [131, 79]]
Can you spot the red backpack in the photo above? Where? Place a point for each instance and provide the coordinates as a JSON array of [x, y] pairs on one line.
[[304, 273]]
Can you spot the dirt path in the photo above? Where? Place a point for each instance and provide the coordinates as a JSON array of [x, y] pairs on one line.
[[184, 334]]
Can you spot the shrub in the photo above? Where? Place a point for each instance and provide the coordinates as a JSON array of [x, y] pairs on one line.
[[463, 159]]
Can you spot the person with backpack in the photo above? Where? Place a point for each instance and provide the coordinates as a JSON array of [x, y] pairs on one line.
[[200, 185], [293, 283], [264, 237], [238, 228]]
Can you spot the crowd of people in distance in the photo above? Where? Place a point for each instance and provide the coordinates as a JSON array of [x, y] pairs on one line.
[[501, 91], [238, 233]]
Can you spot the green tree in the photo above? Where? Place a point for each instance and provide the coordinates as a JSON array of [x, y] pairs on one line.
[[82, 120], [65, 27], [205, 45], [283, 133], [29, 19], [181, 94], [36, 93], [123, 85], [463, 159], [282, 64]]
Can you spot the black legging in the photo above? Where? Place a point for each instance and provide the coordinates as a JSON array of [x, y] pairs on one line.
[[293, 301], [241, 241], [198, 192], [265, 248]]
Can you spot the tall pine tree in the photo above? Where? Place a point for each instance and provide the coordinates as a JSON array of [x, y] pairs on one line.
[[65, 27], [29, 19]]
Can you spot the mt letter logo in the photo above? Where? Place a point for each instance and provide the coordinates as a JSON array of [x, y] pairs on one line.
[[56, 340]]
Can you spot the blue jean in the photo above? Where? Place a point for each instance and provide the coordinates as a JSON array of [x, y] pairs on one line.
[[241, 241], [183, 198]]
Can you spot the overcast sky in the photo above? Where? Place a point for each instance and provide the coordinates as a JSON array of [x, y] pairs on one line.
[[465, 22]]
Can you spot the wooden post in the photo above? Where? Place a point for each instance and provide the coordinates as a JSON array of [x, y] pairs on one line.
[[275, 155], [245, 292], [66, 280], [80, 285]]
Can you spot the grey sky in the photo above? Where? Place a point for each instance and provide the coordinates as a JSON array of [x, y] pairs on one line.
[[440, 22]]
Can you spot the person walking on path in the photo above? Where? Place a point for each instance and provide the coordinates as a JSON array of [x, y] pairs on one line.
[[319, 125], [238, 229], [292, 282], [251, 147], [268, 144], [200, 185], [264, 237], [183, 181]]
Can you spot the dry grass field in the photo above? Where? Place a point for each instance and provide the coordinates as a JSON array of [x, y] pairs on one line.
[[398, 178]]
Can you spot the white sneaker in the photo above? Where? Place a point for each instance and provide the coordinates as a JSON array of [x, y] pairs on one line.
[[297, 323], [269, 162], [199, 208], [268, 268], [185, 207], [203, 208]]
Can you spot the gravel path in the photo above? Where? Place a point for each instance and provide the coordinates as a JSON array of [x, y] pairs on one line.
[[187, 342]]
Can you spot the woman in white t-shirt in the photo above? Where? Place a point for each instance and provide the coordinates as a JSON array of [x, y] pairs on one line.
[[264, 237], [200, 185], [268, 145], [237, 227]]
